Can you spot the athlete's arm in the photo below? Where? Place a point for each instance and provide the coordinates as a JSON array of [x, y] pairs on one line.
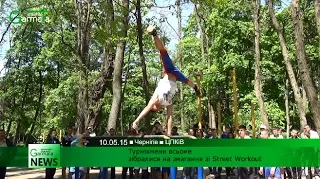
[[169, 118], [152, 30]]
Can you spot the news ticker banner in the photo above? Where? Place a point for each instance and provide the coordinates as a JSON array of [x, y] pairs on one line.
[[184, 142], [284, 153]]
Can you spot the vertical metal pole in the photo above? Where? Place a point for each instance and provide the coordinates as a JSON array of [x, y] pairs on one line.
[[253, 122], [199, 102], [44, 138], [200, 169], [235, 100], [219, 119], [60, 135], [173, 173]]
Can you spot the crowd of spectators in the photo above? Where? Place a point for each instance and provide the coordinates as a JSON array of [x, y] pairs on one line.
[[70, 139]]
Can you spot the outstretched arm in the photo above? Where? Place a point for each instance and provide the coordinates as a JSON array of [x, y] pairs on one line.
[[159, 43], [152, 30]]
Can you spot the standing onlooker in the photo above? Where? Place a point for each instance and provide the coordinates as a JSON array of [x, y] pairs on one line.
[[269, 172], [51, 139], [103, 174], [199, 134], [4, 142], [66, 142], [125, 169], [310, 134], [81, 141], [188, 171], [225, 134], [262, 127], [91, 132], [294, 172], [156, 172], [276, 133], [229, 169], [214, 170], [174, 131], [244, 172]]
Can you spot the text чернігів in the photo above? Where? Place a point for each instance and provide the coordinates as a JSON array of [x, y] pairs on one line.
[[237, 159], [156, 142]]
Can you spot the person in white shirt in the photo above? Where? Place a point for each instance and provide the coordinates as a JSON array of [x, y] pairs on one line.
[[276, 133], [243, 132], [310, 134], [244, 172], [91, 133]]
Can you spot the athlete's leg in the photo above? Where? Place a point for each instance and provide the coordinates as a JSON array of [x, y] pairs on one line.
[[152, 103], [169, 117], [166, 60]]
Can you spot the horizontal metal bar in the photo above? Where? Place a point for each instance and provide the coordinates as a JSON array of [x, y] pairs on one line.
[[186, 136], [151, 136]]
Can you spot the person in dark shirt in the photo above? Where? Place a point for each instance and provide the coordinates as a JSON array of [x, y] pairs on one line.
[[5, 156], [66, 142], [175, 131], [225, 134], [125, 169], [51, 139], [68, 138]]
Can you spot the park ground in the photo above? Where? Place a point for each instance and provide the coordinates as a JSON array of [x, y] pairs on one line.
[[28, 173]]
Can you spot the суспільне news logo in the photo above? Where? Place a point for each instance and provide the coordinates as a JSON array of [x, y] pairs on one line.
[[30, 15], [43, 155]]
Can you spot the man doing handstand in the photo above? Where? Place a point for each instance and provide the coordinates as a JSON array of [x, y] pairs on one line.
[[167, 86]]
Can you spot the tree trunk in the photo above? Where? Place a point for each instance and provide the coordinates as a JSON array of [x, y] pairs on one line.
[[258, 75], [124, 90], [145, 83], [24, 97], [83, 40], [286, 97], [318, 80], [117, 74], [303, 63], [317, 15], [102, 82], [13, 110], [212, 122], [290, 71], [179, 55], [304, 99], [38, 106], [9, 126]]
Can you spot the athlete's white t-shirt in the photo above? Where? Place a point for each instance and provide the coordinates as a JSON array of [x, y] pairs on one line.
[[166, 90]]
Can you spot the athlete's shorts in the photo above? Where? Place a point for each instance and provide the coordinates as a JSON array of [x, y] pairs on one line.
[[169, 67], [166, 90]]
